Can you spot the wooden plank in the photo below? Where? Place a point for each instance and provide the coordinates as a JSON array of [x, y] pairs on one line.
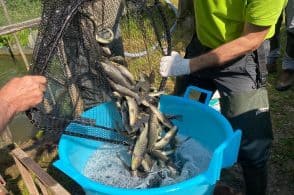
[[27, 178], [44, 177], [42, 187], [12, 28]]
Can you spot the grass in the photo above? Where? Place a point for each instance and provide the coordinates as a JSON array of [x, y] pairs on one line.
[[19, 11], [140, 37], [282, 158], [282, 113]]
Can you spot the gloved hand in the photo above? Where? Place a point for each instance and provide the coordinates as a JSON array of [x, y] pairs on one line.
[[174, 65]]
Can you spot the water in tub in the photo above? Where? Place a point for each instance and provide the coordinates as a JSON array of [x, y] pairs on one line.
[[191, 158]]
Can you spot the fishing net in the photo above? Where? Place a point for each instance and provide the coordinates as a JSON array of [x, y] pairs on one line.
[[75, 37], [145, 28], [146, 32]]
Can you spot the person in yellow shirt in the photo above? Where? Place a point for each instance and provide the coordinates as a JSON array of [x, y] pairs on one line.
[[228, 53]]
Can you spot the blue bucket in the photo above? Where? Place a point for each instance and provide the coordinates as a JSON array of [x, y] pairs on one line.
[[200, 122]]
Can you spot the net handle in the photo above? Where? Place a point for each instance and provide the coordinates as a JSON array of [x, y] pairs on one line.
[[168, 37], [64, 25]]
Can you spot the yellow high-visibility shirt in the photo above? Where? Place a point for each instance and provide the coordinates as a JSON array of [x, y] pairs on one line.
[[221, 21]]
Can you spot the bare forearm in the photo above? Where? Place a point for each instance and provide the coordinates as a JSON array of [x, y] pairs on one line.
[[229, 51], [6, 114], [18, 95], [222, 54]]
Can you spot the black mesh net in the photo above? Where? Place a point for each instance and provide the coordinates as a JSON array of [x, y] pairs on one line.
[[145, 28], [75, 38]]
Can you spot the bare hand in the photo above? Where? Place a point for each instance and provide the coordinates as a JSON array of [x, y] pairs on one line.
[[23, 93]]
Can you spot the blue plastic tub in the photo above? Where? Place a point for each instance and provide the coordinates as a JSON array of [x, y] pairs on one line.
[[200, 122]]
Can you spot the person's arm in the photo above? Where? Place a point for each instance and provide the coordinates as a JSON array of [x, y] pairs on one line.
[[6, 114], [18, 95], [253, 36], [251, 39]]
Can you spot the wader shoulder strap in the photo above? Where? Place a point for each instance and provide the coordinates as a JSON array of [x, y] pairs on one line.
[[262, 70]]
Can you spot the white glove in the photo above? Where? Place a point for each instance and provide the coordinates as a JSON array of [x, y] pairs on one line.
[[174, 65]]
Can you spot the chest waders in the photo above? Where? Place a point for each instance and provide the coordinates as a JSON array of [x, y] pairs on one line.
[[244, 102], [250, 112]]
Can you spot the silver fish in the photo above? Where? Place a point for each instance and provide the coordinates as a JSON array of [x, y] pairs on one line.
[[159, 115], [159, 155], [123, 90], [166, 139], [133, 110], [114, 74], [125, 116], [154, 130], [141, 120], [156, 94], [147, 163], [125, 72], [106, 51], [139, 149]]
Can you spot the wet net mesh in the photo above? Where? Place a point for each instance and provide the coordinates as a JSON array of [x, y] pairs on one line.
[[68, 54]]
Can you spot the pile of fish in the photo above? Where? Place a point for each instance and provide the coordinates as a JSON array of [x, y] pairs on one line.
[[153, 133]]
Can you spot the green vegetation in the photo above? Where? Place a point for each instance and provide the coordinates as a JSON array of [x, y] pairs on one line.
[[19, 11], [282, 113], [21, 35], [139, 37]]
